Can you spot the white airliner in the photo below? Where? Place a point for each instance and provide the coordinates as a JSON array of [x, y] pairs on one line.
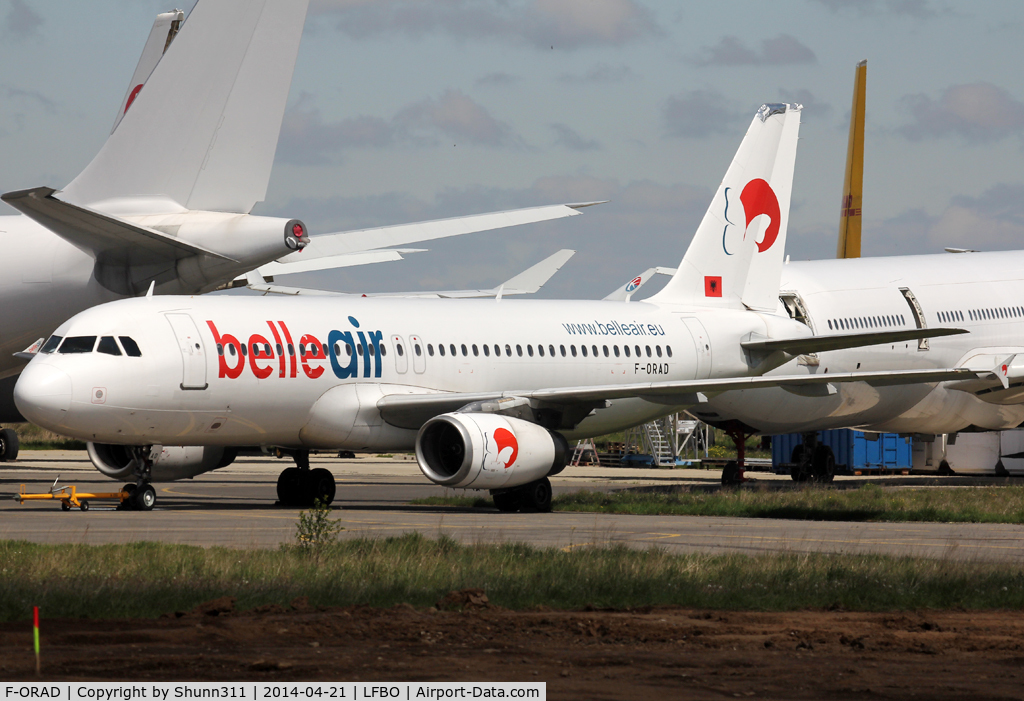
[[167, 198], [487, 391]]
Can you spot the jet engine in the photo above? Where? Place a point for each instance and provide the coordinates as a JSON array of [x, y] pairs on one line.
[[175, 462], [487, 451]]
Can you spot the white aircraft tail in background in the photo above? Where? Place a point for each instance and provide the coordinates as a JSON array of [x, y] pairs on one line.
[[165, 28], [735, 258]]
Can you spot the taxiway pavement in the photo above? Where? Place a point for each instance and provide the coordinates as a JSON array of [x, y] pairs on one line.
[[235, 507]]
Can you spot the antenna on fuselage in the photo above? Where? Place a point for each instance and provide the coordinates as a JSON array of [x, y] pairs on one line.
[[152, 285]]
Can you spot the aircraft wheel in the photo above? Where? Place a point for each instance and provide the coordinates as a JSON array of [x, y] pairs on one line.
[[506, 502], [144, 498], [320, 485], [824, 464], [731, 473], [8, 445], [65, 506], [288, 486], [84, 506], [536, 496]]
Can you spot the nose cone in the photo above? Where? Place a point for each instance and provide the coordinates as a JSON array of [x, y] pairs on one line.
[[43, 395]]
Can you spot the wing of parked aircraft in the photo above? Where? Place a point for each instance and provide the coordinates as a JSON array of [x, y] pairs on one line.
[[328, 251], [526, 282], [819, 344], [624, 293], [412, 410]]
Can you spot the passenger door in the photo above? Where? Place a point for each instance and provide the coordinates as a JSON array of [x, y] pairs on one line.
[[193, 359], [401, 354]]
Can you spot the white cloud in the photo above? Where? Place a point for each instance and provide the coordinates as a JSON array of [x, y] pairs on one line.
[[976, 111]]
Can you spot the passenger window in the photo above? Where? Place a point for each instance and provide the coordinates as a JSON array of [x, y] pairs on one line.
[[231, 349], [497, 350], [131, 348], [78, 344], [108, 345], [562, 348], [451, 347], [829, 324], [668, 350], [616, 349], [519, 350], [383, 350], [572, 350], [419, 351], [625, 349], [327, 352], [476, 351], [440, 349], [648, 351], [529, 350], [302, 349], [540, 350], [551, 350], [637, 348], [220, 349], [657, 349], [487, 350], [465, 351], [594, 348], [430, 350], [605, 349], [245, 351], [583, 350], [398, 349], [508, 350], [51, 344]]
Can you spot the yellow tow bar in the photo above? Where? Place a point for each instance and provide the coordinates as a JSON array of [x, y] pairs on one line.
[[69, 496]]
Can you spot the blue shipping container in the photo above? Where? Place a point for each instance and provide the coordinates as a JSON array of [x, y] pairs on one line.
[[852, 449]]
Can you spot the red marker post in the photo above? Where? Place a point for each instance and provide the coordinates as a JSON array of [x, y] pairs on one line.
[[35, 635]]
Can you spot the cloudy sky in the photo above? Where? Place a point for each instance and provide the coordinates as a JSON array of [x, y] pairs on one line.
[[403, 110]]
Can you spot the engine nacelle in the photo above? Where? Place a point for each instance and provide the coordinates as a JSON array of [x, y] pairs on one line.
[[175, 462], [487, 451]]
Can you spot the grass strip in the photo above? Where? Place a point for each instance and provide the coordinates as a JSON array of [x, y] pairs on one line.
[[147, 579], [870, 502]]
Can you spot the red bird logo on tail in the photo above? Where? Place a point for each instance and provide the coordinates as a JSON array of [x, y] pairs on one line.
[[759, 198]]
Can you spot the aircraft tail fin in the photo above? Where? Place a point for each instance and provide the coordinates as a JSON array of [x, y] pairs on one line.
[[161, 35], [853, 185], [736, 256], [204, 129]]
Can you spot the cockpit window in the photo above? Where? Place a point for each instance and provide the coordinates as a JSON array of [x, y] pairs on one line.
[[108, 345], [78, 344], [131, 348], [51, 344]]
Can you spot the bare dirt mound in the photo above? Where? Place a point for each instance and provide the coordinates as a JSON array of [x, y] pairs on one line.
[[581, 654]]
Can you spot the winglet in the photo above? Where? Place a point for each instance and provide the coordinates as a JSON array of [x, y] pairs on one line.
[[1002, 371], [534, 277]]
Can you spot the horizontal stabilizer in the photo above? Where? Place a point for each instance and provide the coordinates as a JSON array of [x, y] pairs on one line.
[[624, 293], [348, 242], [412, 410], [818, 344], [111, 240]]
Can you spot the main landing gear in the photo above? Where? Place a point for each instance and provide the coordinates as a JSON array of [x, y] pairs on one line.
[[533, 496], [733, 472], [813, 461], [300, 486], [142, 495]]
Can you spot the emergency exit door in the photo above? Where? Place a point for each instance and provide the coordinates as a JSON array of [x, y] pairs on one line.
[[193, 359]]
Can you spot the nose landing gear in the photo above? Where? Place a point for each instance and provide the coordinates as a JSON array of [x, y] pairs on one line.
[[143, 495], [300, 485]]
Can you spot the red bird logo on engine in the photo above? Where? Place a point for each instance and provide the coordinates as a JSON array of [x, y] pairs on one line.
[[503, 438]]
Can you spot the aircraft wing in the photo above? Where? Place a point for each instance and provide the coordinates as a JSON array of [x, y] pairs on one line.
[[817, 344], [412, 410], [111, 240], [325, 249], [526, 282]]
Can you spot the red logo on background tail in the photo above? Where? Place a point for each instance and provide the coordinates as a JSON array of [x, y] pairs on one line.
[[759, 198], [712, 286], [131, 98], [503, 438]]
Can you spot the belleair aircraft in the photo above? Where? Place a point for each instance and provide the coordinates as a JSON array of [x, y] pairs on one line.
[[488, 392], [167, 198]]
